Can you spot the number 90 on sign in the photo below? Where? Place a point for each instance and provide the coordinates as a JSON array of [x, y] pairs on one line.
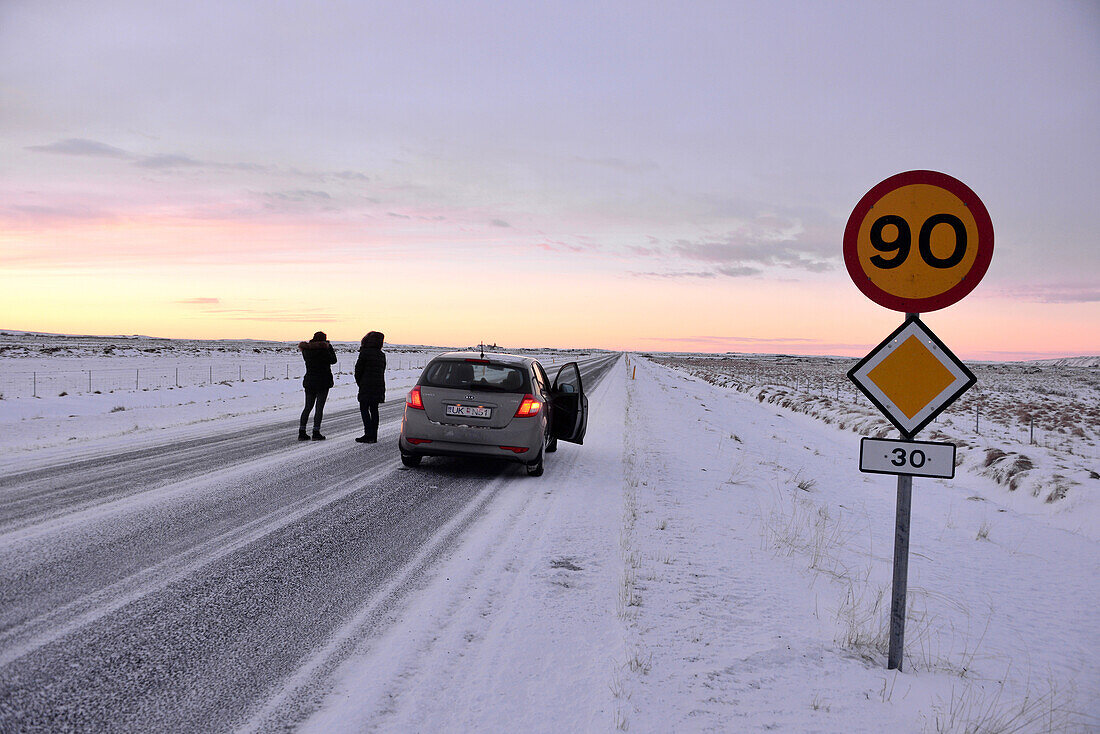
[[913, 458], [918, 241]]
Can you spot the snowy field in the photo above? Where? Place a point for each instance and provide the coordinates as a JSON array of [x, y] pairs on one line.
[[710, 560], [1003, 599], [1032, 427], [64, 391]]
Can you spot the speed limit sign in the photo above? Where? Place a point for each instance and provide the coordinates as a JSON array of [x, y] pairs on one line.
[[918, 241]]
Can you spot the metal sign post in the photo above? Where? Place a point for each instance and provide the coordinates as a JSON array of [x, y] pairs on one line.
[[900, 584], [911, 377], [916, 242], [901, 572]]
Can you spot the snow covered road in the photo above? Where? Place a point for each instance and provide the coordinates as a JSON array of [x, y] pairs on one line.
[[707, 561], [173, 588]]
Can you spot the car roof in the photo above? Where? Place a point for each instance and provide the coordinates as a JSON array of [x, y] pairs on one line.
[[500, 357]]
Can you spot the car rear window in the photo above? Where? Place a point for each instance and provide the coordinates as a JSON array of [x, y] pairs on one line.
[[464, 375]]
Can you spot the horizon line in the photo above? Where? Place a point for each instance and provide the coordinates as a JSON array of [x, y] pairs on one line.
[[1038, 356]]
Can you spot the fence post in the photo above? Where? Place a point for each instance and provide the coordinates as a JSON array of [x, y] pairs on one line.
[[211, 375], [976, 410], [89, 380], [1031, 426], [137, 379], [240, 374], [288, 370], [34, 384], [177, 377], [265, 370]]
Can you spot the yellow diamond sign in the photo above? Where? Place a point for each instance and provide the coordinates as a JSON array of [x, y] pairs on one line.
[[911, 377]]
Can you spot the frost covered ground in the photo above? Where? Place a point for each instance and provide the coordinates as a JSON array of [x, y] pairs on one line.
[[780, 544], [1033, 428], [125, 415], [66, 391], [710, 560], [713, 563]]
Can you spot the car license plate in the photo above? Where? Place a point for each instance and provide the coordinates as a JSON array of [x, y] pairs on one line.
[[469, 411]]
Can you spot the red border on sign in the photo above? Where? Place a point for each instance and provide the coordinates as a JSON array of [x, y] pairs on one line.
[[945, 299]]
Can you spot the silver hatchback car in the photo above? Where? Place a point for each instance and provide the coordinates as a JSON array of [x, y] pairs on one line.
[[496, 405]]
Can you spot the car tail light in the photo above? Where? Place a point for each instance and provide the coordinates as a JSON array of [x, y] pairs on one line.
[[514, 449], [528, 407], [478, 361], [414, 400], [415, 441]]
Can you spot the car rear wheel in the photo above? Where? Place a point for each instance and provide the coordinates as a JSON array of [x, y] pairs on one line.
[[534, 469], [410, 460]]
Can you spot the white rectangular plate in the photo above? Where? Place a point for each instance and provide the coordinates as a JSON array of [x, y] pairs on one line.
[[469, 411], [915, 458]]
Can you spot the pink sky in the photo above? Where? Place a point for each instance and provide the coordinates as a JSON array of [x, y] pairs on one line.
[[581, 175]]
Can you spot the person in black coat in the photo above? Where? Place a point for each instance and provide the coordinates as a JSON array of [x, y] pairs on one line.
[[319, 356], [370, 376]]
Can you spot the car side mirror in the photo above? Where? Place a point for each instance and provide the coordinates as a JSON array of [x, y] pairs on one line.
[[567, 388]]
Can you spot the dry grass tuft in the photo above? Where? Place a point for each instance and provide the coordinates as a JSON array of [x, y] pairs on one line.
[[1060, 490], [974, 710]]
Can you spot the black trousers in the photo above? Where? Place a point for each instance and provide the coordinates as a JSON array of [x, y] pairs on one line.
[[313, 397], [369, 411]]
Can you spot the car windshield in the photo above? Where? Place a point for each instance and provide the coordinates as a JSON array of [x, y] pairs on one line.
[[466, 375]]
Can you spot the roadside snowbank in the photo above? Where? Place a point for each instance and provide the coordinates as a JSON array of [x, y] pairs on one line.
[[1056, 477], [761, 562]]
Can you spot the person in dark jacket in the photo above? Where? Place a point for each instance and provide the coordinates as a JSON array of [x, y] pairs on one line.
[[370, 376], [319, 355]]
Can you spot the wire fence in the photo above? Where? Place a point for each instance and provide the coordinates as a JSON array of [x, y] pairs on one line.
[[844, 389], [1027, 423], [47, 383], [1032, 413]]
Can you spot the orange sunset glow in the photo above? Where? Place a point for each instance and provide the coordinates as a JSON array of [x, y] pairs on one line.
[[598, 192]]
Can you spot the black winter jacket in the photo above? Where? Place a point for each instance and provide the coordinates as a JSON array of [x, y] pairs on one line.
[[318, 357], [370, 369], [370, 375]]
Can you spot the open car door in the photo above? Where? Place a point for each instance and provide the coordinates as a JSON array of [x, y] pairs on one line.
[[570, 405]]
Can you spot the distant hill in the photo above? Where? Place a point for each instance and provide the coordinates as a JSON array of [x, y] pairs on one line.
[[1093, 361]]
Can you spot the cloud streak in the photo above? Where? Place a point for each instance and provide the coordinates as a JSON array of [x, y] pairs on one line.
[[1056, 293], [620, 164], [799, 240], [167, 161], [81, 147], [736, 258], [36, 215], [729, 271], [754, 344], [268, 315], [84, 147]]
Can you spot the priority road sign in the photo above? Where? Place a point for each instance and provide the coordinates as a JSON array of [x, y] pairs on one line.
[[911, 376], [912, 458], [918, 241]]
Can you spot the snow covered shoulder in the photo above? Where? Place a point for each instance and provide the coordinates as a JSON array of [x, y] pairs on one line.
[[710, 562]]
